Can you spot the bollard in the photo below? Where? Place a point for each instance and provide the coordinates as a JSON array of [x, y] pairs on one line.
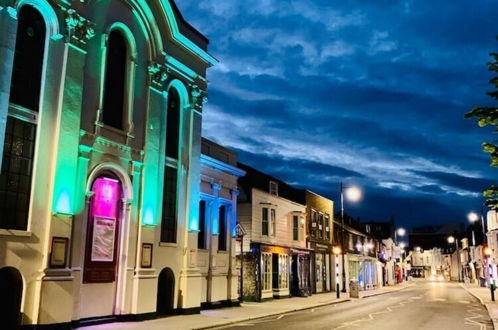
[[492, 287], [337, 293]]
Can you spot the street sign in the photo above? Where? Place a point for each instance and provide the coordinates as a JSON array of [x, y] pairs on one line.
[[239, 230]]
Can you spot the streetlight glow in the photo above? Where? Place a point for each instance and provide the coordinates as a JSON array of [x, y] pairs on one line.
[[353, 194], [401, 231], [451, 239], [473, 217], [402, 245]]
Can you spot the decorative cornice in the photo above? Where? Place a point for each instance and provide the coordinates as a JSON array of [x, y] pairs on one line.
[[79, 29], [158, 75], [199, 97]]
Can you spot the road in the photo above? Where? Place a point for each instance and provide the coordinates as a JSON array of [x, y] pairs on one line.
[[427, 305]]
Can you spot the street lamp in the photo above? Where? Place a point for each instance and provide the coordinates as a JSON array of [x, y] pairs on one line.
[[452, 240], [353, 194], [337, 251], [399, 232], [474, 217]]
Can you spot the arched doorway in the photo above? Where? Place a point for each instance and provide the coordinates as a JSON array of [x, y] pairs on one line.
[[11, 287], [165, 292], [104, 229]]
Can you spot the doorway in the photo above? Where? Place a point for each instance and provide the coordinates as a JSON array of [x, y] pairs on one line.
[[11, 287], [165, 292], [101, 263]]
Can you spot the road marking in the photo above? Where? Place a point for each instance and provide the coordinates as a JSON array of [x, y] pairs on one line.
[[439, 299], [371, 316], [464, 302]]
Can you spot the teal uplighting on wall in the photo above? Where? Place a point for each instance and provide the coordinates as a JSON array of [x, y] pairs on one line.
[[63, 203], [193, 223], [148, 218]]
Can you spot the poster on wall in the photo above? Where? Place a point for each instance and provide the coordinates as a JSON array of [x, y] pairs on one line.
[[103, 239]]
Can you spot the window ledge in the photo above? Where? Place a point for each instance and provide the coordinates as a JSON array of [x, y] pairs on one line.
[[168, 244], [15, 233], [222, 252]]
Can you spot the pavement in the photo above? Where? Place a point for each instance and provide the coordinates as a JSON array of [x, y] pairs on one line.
[[249, 311], [484, 296], [425, 305]]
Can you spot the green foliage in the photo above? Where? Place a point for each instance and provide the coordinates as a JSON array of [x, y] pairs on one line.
[[489, 116]]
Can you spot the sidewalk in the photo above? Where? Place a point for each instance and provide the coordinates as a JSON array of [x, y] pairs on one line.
[[248, 311], [484, 296]]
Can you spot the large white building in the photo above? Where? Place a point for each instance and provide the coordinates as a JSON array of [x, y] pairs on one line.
[[100, 145]]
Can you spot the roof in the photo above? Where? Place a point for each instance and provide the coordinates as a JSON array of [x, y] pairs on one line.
[[259, 180], [188, 30]]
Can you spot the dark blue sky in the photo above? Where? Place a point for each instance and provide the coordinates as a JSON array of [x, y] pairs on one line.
[[372, 93]]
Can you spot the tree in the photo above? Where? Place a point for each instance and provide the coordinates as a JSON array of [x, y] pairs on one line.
[[489, 116]]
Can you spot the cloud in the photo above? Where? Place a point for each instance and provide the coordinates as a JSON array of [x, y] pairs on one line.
[[369, 91]]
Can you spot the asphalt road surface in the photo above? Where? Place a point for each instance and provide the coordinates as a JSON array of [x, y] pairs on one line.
[[427, 305]]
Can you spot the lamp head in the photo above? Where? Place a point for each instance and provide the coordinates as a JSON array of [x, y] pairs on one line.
[[473, 217], [401, 232], [353, 194], [451, 239]]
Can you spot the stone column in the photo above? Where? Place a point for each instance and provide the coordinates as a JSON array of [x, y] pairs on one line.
[[8, 28]]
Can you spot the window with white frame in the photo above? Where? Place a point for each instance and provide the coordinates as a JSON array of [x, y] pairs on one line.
[[327, 227], [266, 269], [273, 188], [320, 225], [283, 271], [264, 221], [295, 228], [273, 222]]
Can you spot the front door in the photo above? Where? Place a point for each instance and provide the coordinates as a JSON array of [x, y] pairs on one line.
[[319, 272], [98, 294]]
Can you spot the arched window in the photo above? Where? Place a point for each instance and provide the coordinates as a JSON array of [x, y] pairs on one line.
[[20, 129], [115, 80], [172, 124], [169, 218], [28, 59]]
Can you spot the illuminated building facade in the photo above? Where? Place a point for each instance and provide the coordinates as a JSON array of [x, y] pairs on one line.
[[217, 220], [100, 139], [276, 260]]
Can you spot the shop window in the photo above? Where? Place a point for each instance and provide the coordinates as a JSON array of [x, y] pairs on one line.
[[201, 236], [295, 228], [264, 221], [283, 271], [222, 227], [169, 218], [27, 69], [273, 222], [173, 124], [113, 112], [266, 271]]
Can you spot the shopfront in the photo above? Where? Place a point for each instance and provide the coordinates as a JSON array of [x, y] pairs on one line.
[[300, 285], [275, 263], [363, 270]]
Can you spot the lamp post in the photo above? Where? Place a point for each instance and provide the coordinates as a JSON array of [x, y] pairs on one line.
[[353, 194], [452, 240]]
